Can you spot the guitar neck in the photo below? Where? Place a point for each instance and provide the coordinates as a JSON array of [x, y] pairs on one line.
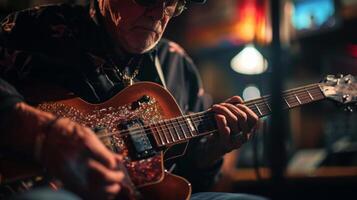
[[291, 99], [184, 128]]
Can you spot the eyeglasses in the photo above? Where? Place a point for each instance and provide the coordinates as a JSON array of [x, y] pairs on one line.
[[173, 8]]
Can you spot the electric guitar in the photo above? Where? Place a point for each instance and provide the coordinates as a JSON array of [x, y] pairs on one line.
[[144, 124]]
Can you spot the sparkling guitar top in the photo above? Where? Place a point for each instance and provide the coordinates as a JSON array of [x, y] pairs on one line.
[[131, 116]]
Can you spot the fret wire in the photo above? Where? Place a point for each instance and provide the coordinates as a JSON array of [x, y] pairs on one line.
[[163, 132], [182, 125], [161, 138], [300, 99], [182, 131], [169, 130], [253, 108], [309, 97], [319, 93], [309, 94], [175, 130], [157, 136], [287, 103], [288, 92], [263, 100], [264, 108], [267, 103], [291, 101], [258, 110], [188, 127], [267, 97], [195, 132]]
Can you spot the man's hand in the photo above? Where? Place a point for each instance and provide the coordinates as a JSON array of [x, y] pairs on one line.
[[236, 123], [76, 155], [68, 151]]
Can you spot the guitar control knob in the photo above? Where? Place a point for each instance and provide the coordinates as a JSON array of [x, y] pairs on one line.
[[136, 104], [144, 99]]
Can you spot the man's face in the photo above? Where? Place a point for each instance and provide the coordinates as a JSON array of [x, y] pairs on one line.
[[136, 28]]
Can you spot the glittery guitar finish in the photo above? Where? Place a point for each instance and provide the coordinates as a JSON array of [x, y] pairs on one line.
[[121, 128]]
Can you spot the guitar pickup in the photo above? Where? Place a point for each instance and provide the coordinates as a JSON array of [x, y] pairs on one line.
[[139, 141]]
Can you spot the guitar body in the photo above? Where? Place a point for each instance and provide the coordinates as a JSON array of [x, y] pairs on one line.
[[134, 108]]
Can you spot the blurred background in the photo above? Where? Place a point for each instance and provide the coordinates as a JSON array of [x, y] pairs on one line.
[[230, 41]]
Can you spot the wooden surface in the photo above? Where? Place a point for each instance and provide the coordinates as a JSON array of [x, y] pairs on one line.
[[231, 175], [321, 172]]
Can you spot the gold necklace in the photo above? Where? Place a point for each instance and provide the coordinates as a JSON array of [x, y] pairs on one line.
[[126, 78]]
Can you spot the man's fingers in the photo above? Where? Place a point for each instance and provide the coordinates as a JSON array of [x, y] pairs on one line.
[[101, 174], [252, 118], [98, 151], [241, 118], [234, 100], [230, 116], [113, 188], [222, 125], [237, 119], [241, 121]]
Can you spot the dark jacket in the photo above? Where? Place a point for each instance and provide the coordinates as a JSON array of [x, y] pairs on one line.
[[62, 44]]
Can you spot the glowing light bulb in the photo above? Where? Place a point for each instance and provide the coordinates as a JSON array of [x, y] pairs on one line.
[[249, 61], [251, 92]]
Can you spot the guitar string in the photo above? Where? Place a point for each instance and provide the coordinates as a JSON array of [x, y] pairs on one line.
[[168, 121], [193, 117], [289, 92], [293, 100], [163, 137], [176, 121], [303, 96]]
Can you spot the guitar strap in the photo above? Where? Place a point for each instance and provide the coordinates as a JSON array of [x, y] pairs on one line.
[[181, 147], [159, 71]]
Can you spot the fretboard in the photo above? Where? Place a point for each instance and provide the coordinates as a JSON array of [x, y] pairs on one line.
[[184, 128]]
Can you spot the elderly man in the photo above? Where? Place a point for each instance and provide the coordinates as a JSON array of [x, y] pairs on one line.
[[95, 52]]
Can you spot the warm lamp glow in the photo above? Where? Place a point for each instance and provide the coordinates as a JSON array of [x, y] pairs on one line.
[[249, 61], [251, 92]]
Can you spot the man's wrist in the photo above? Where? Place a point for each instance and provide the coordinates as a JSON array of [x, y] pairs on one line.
[[41, 137]]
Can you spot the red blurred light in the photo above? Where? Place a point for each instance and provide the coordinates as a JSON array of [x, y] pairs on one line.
[[352, 50]]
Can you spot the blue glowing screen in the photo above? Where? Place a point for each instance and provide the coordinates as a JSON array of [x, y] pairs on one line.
[[312, 14]]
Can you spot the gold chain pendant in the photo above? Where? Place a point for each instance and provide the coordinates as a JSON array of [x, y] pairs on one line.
[[127, 80]]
